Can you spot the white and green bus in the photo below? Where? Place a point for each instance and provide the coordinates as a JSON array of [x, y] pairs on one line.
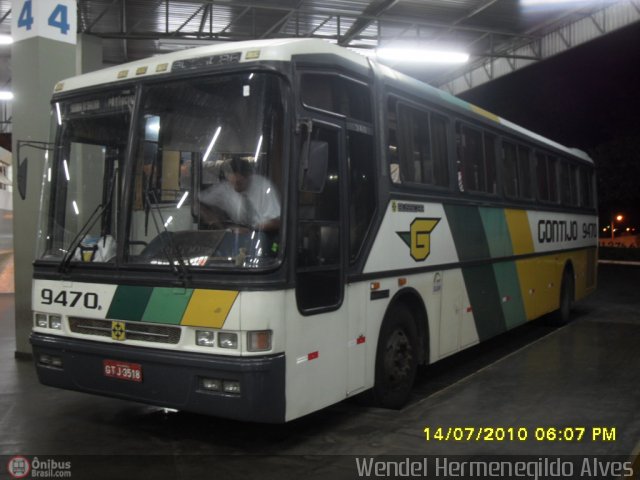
[[258, 230]]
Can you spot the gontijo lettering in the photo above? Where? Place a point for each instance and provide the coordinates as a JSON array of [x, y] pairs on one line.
[[550, 231]]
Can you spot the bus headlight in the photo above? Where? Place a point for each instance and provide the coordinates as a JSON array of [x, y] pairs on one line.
[[211, 384], [230, 386], [205, 338], [41, 320], [227, 340], [259, 341], [55, 322]]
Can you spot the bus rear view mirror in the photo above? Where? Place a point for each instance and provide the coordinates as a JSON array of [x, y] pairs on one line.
[[22, 178], [314, 166]]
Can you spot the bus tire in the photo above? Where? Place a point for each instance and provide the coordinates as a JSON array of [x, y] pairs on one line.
[[567, 289], [396, 358]]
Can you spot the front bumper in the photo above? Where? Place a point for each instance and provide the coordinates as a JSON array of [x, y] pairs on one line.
[[169, 379]]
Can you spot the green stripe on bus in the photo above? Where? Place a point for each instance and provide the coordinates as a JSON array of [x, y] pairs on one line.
[[506, 275], [167, 305], [485, 300], [496, 231], [129, 303], [467, 231]]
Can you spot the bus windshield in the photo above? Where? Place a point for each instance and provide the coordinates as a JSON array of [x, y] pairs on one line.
[[206, 176]]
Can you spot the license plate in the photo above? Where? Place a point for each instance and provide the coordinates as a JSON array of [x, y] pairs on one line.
[[122, 370]]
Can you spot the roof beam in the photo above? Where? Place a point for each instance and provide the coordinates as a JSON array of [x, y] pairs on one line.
[[154, 7], [4, 17], [375, 9], [205, 14], [517, 55], [201, 7], [100, 15], [469, 15], [235, 19], [278, 24]]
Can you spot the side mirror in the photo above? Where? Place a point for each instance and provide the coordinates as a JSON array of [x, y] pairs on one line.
[[22, 178]]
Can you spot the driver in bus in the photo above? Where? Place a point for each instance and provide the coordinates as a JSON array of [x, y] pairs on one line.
[[249, 201]]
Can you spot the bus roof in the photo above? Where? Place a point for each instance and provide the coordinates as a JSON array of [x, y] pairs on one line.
[[284, 50]]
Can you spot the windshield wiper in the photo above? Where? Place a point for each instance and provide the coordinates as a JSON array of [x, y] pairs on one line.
[[168, 246], [77, 240], [88, 225]]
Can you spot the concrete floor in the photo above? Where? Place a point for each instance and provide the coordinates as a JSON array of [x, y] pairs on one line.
[[581, 375]]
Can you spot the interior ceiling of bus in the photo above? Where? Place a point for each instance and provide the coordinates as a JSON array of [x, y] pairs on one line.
[[500, 35]]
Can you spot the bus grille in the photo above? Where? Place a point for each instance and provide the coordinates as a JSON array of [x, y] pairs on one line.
[[142, 332]]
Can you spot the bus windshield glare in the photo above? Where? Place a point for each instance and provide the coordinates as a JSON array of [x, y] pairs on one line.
[[206, 175]]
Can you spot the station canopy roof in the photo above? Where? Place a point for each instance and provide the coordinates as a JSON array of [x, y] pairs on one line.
[[499, 35]]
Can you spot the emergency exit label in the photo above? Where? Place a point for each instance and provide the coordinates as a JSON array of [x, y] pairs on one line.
[[54, 19]]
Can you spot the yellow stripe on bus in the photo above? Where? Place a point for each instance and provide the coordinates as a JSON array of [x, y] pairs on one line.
[[485, 113], [539, 284], [518, 223], [208, 308]]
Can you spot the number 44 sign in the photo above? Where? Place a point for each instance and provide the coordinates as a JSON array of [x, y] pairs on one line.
[[54, 19]]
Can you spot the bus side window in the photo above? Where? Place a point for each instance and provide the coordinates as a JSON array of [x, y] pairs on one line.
[[362, 195], [337, 94], [392, 141], [476, 151], [490, 158], [573, 180], [542, 176], [511, 186], [524, 173], [415, 156], [471, 159], [439, 150], [319, 274], [546, 177], [586, 187], [565, 183], [553, 179]]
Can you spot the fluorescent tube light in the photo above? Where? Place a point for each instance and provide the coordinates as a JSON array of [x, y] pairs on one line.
[[413, 55], [210, 147]]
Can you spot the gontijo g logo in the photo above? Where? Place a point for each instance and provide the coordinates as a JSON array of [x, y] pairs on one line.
[[18, 467], [418, 238]]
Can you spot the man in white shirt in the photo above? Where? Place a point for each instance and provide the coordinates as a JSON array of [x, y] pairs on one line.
[[247, 198]]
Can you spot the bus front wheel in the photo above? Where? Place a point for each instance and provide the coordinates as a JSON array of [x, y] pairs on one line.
[[396, 358]]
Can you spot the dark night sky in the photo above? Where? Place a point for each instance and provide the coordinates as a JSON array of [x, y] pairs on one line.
[[589, 98]]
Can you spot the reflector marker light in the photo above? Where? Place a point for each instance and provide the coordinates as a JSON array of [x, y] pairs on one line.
[[308, 357]]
